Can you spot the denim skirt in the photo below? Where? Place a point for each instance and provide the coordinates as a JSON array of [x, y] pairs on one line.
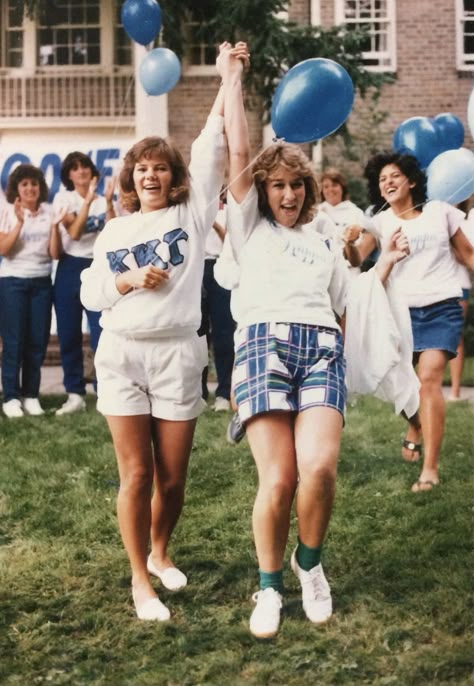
[[437, 326]]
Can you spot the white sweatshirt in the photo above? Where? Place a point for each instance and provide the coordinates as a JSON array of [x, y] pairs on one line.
[[173, 239]]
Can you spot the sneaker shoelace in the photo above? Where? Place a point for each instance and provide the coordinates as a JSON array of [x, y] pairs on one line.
[[313, 586]]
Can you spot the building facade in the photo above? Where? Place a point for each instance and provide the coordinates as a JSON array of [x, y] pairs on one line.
[[67, 81]]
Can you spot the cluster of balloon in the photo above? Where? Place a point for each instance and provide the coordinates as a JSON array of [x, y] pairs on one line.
[[436, 144], [311, 101], [160, 69]]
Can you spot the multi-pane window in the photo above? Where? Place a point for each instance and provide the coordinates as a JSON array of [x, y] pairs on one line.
[[465, 34], [122, 43], [11, 37], [377, 19], [198, 52], [69, 33]]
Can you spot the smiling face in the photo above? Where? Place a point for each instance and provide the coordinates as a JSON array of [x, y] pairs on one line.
[[286, 192], [332, 191], [152, 178], [395, 187], [29, 193], [80, 175]]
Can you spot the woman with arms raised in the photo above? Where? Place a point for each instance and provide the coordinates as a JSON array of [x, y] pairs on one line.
[[146, 278], [289, 368]]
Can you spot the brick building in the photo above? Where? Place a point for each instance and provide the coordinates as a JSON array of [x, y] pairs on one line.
[[69, 84]]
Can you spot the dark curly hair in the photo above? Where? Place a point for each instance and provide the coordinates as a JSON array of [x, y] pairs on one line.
[[295, 161], [70, 162], [408, 165], [26, 171], [148, 148]]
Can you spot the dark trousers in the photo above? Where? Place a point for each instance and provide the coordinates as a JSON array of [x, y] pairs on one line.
[[219, 326], [69, 309], [25, 321]]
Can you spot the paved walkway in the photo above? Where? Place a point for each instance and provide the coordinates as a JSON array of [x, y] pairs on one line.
[[51, 382]]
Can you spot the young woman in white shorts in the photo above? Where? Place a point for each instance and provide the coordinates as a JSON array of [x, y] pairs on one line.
[[146, 279]]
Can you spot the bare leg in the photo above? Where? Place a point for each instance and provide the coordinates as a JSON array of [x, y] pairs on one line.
[[172, 444], [431, 366], [133, 448], [318, 438], [271, 440], [413, 435], [456, 365]]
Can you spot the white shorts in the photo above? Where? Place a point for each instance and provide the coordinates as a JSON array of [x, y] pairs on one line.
[[161, 377]]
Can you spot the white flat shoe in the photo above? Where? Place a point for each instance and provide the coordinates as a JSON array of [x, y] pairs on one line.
[[151, 610], [171, 577]]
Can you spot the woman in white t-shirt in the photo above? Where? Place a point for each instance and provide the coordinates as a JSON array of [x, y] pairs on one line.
[[29, 241], [289, 373], [355, 245], [429, 283], [87, 212]]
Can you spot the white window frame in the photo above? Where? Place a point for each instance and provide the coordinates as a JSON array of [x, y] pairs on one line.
[[387, 59], [464, 61], [107, 41], [190, 69]]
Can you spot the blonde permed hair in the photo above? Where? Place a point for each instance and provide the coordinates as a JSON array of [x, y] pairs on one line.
[[292, 158]]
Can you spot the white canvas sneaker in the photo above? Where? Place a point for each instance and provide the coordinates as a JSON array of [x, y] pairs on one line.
[[265, 619], [221, 404], [74, 403], [32, 406], [317, 601], [12, 409]]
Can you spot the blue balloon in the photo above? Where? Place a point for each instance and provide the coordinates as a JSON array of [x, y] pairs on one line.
[[450, 176], [141, 20], [159, 71], [417, 136], [450, 131], [311, 101]]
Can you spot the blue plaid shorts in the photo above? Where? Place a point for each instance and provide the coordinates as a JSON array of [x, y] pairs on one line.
[[288, 367]]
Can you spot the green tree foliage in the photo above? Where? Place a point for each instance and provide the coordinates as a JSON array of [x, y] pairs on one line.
[[275, 44]]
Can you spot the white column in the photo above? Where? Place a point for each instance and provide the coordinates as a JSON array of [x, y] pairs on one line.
[[151, 111]]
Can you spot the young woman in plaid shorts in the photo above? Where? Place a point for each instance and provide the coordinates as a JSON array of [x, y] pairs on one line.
[[289, 368]]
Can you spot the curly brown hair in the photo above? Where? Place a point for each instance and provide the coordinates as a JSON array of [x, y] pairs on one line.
[[26, 171], [292, 158], [148, 148]]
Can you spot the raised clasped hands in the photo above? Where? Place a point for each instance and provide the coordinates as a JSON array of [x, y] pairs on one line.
[[232, 59]]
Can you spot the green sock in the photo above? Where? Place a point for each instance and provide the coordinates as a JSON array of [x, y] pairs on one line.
[[271, 580], [306, 557]]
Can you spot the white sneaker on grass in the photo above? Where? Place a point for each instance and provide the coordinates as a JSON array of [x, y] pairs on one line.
[[74, 403], [12, 409], [316, 593], [32, 406], [265, 619], [221, 404]]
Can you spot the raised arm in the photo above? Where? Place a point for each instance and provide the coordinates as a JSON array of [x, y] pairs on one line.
[[231, 63]]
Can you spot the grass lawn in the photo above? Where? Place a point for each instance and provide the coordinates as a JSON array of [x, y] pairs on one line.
[[400, 565]]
